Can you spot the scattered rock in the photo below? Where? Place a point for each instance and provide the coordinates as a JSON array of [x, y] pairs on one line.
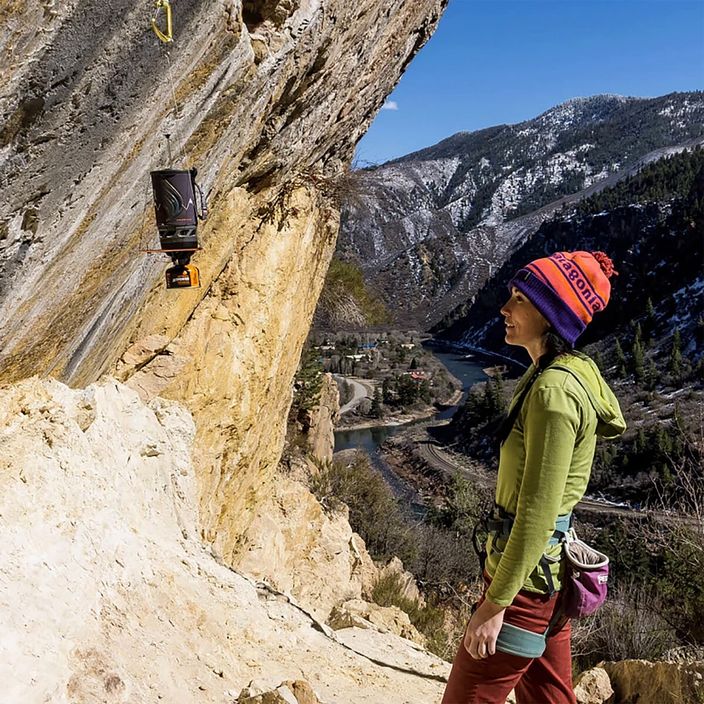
[[289, 692], [342, 618], [655, 682], [302, 691], [593, 687], [387, 619]]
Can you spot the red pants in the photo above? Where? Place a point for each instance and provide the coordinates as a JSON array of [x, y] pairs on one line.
[[543, 680]]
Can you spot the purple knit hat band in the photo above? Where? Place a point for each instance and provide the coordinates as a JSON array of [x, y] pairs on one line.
[[563, 321]]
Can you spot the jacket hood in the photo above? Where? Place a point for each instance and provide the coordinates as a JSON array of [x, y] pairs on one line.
[[611, 422]]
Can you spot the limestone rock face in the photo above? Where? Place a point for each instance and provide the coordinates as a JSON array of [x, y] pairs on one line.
[[267, 99], [407, 582], [320, 421], [108, 593], [298, 549], [107, 501], [255, 94]]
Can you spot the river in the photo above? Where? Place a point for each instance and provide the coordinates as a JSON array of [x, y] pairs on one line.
[[465, 367], [468, 369]]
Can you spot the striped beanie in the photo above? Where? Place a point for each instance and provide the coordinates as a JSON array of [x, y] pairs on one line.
[[567, 288]]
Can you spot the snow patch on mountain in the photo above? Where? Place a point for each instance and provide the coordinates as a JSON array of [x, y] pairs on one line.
[[475, 197]]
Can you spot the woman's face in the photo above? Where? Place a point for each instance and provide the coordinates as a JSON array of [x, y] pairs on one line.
[[525, 325]]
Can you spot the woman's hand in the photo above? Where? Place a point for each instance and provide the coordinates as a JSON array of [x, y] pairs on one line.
[[483, 630]]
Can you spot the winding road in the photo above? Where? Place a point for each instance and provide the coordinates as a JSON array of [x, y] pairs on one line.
[[360, 391]]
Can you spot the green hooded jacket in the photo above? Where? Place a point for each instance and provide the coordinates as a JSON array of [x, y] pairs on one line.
[[544, 468]]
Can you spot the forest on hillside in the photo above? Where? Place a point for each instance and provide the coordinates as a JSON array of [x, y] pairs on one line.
[[651, 226]]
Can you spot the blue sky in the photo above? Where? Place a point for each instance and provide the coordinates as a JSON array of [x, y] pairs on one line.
[[503, 61]]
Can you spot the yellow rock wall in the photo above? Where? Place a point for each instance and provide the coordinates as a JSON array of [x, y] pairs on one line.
[[267, 99], [233, 361]]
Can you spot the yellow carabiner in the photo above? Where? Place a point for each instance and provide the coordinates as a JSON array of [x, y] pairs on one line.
[[169, 35]]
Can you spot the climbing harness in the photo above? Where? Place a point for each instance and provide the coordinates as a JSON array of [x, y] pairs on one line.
[[498, 525], [168, 35], [584, 583]]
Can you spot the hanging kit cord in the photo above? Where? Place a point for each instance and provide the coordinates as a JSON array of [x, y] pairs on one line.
[[174, 109], [166, 37]]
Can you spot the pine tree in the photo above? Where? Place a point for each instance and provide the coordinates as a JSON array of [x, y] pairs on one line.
[[676, 356], [641, 441], [649, 323], [407, 391], [638, 356], [699, 369], [621, 369], [387, 391], [377, 410], [309, 381], [414, 363]]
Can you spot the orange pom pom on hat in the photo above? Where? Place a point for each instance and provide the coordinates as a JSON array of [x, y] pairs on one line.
[[567, 288]]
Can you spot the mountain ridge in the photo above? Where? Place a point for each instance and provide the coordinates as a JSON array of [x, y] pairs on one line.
[[427, 228]]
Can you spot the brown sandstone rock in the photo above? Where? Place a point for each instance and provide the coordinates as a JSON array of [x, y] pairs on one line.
[[391, 619], [656, 682], [302, 691], [289, 692]]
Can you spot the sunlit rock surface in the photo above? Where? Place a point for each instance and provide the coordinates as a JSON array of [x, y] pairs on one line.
[[270, 99], [109, 595]]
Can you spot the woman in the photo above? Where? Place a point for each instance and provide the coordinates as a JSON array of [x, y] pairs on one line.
[[548, 441]]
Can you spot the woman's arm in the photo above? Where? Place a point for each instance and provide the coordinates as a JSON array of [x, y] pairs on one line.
[[552, 420]]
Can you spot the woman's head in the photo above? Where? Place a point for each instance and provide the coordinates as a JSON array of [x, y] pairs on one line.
[[556, 296]]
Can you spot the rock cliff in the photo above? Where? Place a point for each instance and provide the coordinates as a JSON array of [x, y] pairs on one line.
[[109, 595], [268, 100]]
